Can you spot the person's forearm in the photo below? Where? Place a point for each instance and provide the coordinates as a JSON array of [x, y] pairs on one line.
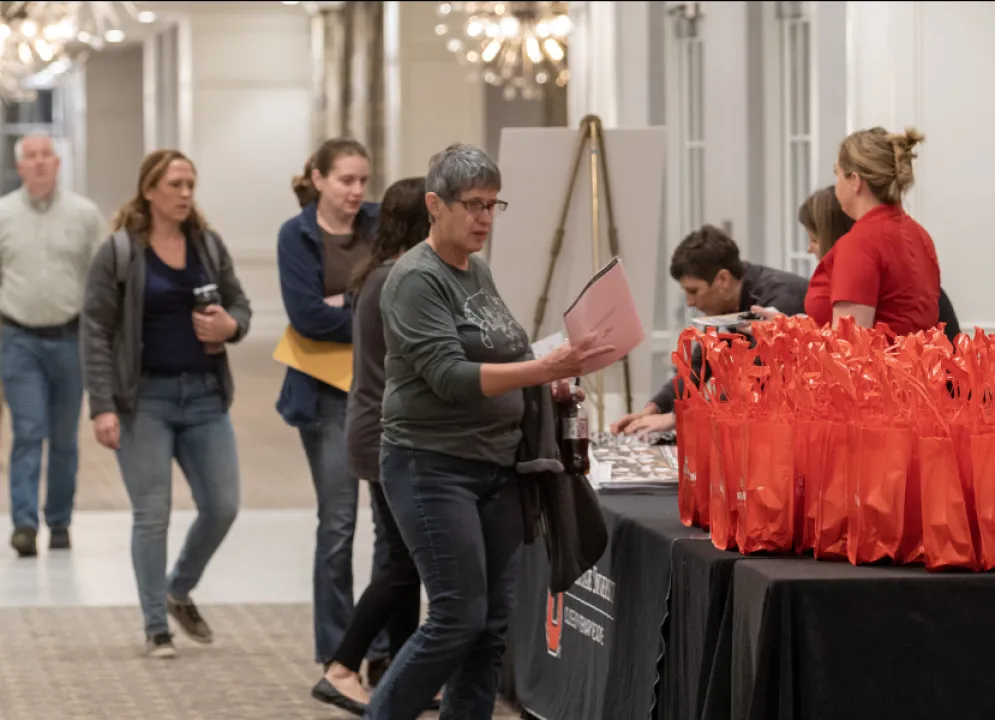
[[499, 378]]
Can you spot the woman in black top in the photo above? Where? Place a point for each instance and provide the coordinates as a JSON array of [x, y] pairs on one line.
[[393, 599], [157, 374]]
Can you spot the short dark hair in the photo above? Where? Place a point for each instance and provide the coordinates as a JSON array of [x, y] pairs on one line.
[[703, 253]]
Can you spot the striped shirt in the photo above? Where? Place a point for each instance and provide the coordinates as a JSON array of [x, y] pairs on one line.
[[45, 252]]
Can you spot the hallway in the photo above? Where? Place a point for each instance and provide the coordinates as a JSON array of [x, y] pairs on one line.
[[71, 639]]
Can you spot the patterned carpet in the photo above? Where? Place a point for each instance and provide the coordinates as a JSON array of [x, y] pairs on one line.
[[86, 664]]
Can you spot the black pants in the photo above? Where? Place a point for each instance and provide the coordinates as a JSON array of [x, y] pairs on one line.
[[393, 600]]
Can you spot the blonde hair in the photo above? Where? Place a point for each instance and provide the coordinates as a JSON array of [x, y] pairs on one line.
[[135, 215], [883, 160]]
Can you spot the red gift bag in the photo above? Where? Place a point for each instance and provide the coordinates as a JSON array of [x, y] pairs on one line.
[[693, 426], [766, 496], [877, 521], [832, 517], [946, 530], [766, 507], [983, 465], [723, 477]]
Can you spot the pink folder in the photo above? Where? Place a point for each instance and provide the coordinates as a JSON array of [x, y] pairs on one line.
[[606, 307]]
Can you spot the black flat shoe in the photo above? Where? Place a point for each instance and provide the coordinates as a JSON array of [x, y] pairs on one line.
[[325, 692]]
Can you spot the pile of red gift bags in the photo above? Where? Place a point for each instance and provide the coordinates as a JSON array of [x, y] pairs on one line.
[[852, 444]]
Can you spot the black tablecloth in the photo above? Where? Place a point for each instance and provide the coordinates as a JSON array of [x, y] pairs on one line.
[[601, 660], [818, 640], [695, 666]]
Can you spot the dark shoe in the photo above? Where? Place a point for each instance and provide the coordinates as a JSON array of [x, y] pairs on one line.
[[24, 540], [185, 613], [376, 669], [59, 540], [160, 646], [325, 692]]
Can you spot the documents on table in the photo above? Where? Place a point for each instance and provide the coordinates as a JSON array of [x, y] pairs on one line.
[[606, 308], [631, 466], [326, 361]]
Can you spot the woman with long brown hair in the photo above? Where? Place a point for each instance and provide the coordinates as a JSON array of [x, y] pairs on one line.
[[161, 302], [393, 599]]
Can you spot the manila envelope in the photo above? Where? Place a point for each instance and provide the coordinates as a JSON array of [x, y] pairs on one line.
[[326, 361]]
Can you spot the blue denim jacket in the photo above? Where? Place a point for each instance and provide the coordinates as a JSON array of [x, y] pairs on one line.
[[300, 260]]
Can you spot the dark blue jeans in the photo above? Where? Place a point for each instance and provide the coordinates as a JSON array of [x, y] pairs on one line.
[[182, 418], [462, 522], [338, 497], [44, 385]]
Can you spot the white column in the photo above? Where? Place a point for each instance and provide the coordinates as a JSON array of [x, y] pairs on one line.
[[593, 61]]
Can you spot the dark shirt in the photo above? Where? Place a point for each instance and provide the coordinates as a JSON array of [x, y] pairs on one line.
[[343, 254], [169, 343], [365, 403], [441, 324], [763, 286]]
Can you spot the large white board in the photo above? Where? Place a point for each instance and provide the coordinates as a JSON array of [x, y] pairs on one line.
[[536, 164]]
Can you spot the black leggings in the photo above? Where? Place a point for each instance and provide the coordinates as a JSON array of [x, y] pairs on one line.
[[393, 600]]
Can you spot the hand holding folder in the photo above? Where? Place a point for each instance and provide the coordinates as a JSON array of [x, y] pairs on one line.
[[605, 311], [326, 361]]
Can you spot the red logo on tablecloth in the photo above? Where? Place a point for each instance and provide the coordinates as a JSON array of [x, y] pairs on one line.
[[554, 623]]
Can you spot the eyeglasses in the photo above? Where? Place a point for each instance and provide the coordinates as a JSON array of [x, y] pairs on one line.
[[476, 207]]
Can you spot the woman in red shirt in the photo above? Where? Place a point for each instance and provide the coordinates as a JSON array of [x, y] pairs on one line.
[[885, 269]]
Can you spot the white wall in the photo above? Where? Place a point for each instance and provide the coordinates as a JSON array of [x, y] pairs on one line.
[[441, 101], [243, 114], [928, 64], [114, 144]]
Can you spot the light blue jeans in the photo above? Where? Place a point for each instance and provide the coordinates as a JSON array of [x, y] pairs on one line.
[[184, 418], [44, 386]]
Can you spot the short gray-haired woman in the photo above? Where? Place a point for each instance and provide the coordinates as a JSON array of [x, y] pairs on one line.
[[456, 364]]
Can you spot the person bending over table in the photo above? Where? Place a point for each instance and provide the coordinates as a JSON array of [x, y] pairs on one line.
[[716, 281], [456, 365]]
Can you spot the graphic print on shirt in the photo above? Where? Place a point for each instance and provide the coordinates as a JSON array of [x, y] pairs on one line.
[[491, 315]]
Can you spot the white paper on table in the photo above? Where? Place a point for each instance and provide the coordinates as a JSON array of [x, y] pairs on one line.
[[601, 471], [606, 309], [546, 345]]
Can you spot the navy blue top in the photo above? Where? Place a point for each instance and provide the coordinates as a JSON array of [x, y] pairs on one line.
[[169, 343], [300, 260]]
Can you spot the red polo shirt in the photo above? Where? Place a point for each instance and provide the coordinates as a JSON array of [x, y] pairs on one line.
[[886, 261]]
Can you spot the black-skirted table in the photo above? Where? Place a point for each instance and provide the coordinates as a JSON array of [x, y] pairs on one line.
[[592, 653], [824, 641], [669, 627]]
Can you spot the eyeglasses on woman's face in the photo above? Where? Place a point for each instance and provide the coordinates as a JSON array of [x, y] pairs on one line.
[[476, 207]]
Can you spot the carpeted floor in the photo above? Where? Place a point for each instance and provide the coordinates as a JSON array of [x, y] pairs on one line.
[[86, 664]]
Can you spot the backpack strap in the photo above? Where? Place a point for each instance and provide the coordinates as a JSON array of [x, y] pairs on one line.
[[122, 255], [213, 251]]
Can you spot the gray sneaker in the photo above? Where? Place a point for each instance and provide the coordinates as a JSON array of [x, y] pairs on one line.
[[185, 613], [160, 646]]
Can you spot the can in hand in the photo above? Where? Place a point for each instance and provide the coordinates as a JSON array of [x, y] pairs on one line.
[[203, 297], [206, 295]]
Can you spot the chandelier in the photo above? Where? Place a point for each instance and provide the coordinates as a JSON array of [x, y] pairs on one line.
[[40, 40], [520, 46]]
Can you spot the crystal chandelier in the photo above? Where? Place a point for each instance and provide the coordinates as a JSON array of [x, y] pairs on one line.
[[46, 38], [521, 46]]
